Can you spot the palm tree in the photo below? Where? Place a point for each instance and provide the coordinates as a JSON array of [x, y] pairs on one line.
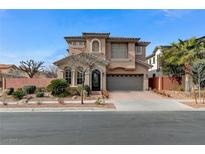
[[185, 53]]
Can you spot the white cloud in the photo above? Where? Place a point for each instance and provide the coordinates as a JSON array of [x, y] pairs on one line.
[[175, 13]]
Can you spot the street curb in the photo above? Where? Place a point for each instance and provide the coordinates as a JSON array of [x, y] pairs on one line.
[[54, 110]]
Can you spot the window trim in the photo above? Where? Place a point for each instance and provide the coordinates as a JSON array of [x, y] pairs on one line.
[[91, 45], [77, 44], [153, 60], [68, 71], [140, 48], [119, 58], [77, 77]]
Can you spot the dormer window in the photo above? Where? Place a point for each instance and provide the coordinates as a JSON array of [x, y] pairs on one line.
[[95, 46]]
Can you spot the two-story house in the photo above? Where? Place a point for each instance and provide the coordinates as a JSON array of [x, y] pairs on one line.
[[126, 70], [154, 60]]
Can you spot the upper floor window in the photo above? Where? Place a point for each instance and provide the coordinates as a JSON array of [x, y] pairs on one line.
[[150, 61], [138, 50], [95, 46], [67, 75], [119, 50], [153, 61], [158, 62]]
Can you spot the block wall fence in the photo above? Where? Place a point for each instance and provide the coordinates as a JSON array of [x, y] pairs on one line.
[[20, 82], [163, 83]]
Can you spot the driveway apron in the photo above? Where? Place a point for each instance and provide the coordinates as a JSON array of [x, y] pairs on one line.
[[145, 101]]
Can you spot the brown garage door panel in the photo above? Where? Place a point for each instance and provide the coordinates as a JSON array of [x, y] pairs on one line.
[[124, 82]]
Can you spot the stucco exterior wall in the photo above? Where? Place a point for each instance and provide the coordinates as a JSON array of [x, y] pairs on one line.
[[139, 69]]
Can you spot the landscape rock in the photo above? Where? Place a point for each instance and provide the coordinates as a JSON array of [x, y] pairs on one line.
[[74, 97], [23, 101]]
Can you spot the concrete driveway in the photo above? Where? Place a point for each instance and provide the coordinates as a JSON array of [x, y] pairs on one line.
[[145, 101]]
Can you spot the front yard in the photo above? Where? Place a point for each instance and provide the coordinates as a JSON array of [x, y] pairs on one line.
[[57, 95]]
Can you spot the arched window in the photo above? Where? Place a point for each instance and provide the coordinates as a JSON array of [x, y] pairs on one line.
[[79, 76], [95, 46], [67, 75]]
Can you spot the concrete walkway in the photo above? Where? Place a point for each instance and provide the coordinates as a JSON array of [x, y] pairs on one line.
[[146, 101]]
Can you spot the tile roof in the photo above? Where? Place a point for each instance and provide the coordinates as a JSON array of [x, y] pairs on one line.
[[99, 34], [5, 66]]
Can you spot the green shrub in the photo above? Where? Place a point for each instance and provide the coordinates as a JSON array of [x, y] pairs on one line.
[[58, 87], [72, 91], [178, 88], [40, 89], [18, 94], [10, 91], [86, 88], [19, 89], [40, 94], [85, 93], [99, 101], [79, 89], [29, 89]]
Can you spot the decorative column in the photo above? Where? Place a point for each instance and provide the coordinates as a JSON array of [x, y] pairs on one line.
[[73, 78], [87, 78], [145, 83], [103, 79], [60, 74]]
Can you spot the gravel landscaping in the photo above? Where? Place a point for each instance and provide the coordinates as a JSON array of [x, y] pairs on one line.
[[57, 105], [194, 105]]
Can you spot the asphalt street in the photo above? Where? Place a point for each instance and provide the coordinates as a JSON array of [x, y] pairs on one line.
[[107, 128]]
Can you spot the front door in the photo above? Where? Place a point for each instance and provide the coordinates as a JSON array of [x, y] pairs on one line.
[[95, 80]]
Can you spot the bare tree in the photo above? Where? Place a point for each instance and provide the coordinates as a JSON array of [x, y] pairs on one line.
[[31, 67], [198, 74], [51, 71], [84, 62]]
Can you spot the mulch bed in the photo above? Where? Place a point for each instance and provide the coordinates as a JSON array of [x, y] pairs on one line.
[[194, 105], [57, 105]]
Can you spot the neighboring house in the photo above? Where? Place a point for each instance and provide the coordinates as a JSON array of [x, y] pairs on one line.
[[7, 68], [154, 60], [126, 69], [163, 80]]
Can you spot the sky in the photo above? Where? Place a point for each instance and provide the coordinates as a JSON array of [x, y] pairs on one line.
[[39, 34]]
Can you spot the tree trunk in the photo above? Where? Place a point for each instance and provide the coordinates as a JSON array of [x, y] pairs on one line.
[[199, 83], [82, 90], [195, 97]]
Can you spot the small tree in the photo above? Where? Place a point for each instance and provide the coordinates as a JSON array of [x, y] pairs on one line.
[[31, 67], [84, 62], [198, 75], [51, 71]]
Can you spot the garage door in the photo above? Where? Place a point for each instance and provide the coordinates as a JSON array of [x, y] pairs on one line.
[[124, 82]]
